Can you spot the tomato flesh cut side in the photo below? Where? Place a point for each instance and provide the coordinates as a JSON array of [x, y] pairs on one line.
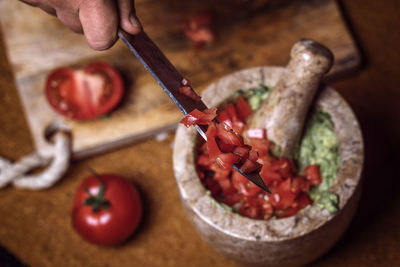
[[85, 93]]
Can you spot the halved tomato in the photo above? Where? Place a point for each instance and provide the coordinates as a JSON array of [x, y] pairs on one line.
[[85, 93]]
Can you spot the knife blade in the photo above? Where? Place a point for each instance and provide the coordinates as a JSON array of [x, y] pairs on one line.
[[170, 80]]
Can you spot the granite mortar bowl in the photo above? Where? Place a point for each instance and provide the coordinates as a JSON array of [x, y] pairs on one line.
[[292, 241]]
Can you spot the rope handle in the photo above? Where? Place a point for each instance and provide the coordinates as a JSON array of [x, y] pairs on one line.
[[17, 173]]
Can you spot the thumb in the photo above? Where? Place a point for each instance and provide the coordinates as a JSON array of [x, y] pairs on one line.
[[127, 17]]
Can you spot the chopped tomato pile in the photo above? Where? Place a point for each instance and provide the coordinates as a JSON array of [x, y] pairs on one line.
[[226, 146]]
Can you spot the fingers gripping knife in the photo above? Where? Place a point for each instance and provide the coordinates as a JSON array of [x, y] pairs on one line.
[[170, 80]]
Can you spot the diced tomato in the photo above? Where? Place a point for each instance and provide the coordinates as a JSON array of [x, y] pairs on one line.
[[243, 108], [191, 118], [244, 186], [253, 155], [286, 213], [230, 108], [228, 136], [228, 116], [267, 208], [238, 179], [229, 191], [203, 160], [300, 184], [223, 117], [226, 160], [236, 123], [201, 174], [302, 202], [188, 91], [200, 29], [212, 146], [268, 175], [220, 173], [209, 114], [232, 199], [313, 174], [199, 117], [282, 166], [250, 166], [260, 145], [249, 211], [292, 165], [202, 147], [226, 148], [238, 126], [213, 186], [283, 198], [257, 133], [225, 184], [242, 151], [251, 189], [285, 185]]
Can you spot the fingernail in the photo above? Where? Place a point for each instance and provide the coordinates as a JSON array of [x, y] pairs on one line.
[[135, 22]]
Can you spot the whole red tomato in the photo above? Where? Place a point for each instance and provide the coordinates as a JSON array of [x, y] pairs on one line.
[[107, 209], [85, 93]]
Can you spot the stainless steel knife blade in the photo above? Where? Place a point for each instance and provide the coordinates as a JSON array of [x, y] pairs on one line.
[[166, 75]]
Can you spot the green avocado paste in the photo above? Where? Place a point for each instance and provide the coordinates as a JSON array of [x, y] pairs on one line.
[[319, 145]]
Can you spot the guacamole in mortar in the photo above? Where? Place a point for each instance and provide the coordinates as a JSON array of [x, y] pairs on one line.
[[319, 145]]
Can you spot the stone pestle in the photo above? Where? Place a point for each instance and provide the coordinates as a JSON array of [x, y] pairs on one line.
[[283, 113]]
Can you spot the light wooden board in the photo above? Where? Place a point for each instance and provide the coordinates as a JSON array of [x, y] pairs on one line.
[[252, 35]]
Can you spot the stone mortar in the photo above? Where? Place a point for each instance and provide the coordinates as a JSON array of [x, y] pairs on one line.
[[292, 241]]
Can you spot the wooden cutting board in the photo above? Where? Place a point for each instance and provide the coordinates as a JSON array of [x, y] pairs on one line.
[[256, 34]]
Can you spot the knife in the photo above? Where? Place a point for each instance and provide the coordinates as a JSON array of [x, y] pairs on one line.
[[166, 75]]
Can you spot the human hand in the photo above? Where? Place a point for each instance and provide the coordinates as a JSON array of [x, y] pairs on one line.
[[98, 20]]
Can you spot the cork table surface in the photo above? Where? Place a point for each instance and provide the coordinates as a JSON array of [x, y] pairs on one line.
[[35, 226]]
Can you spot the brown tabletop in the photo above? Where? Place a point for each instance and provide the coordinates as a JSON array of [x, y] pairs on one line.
[[35, 226]]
